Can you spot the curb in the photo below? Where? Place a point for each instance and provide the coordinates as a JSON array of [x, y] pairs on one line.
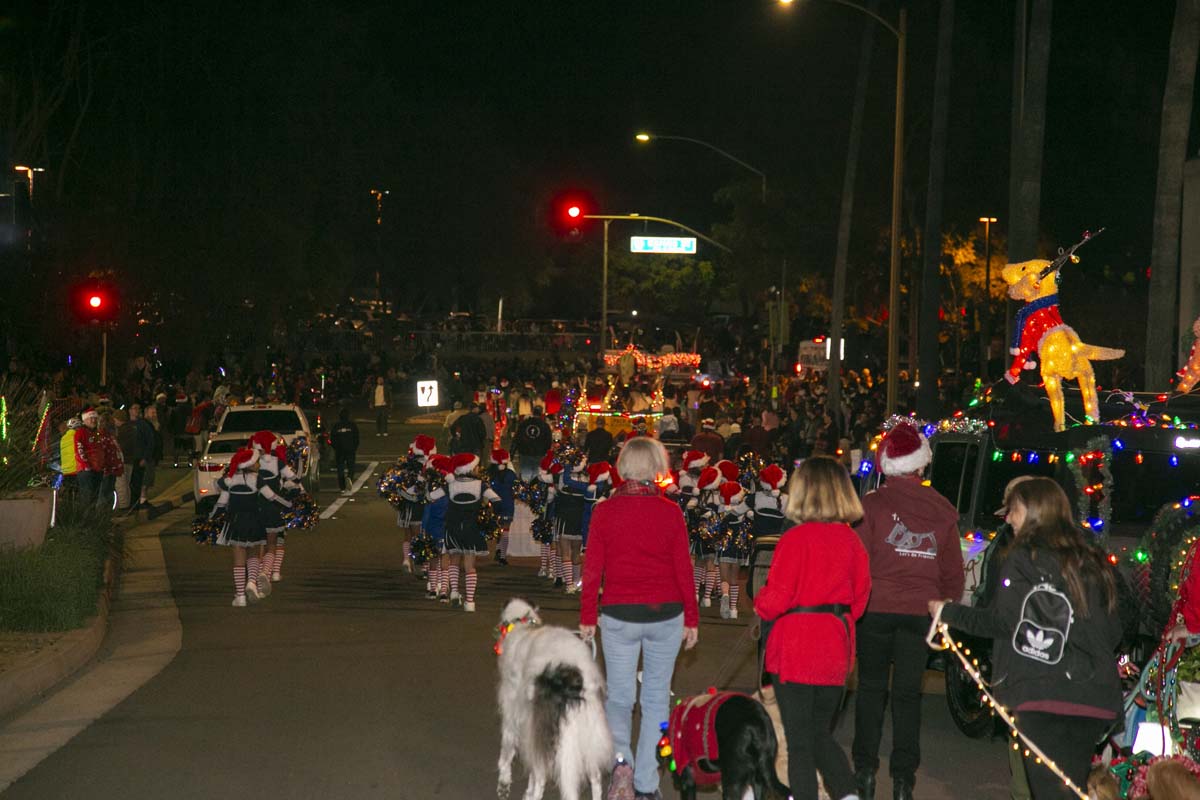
[[40, 673], [35, 677]]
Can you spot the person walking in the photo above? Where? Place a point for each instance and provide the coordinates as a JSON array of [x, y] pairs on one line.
[[598, 443], [150, 416], [468, 433], [638, 551], [1064, 687], [911, 536], [818, 584], [532, 441], [381, 404], [708, 441], [344, 439]]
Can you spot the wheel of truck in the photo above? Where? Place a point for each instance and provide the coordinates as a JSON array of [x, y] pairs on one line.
[[970, 713]]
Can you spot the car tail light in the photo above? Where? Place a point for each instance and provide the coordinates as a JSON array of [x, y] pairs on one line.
[[204, 467]]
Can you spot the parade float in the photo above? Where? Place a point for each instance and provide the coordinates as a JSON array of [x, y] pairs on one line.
[[628, 393]]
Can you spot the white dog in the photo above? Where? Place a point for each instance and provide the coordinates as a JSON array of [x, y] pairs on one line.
[[551, 698]]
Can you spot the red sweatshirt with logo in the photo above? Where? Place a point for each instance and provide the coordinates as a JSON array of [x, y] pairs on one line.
[[911, 536]]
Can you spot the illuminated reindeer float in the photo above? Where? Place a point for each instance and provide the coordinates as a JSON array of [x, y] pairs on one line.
[[1040, 329]]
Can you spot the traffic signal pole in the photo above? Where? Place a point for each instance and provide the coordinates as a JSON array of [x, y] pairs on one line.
[[103, 357], [604, 292]]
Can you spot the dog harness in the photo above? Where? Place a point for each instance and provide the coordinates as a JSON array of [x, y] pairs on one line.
[[691, 731]]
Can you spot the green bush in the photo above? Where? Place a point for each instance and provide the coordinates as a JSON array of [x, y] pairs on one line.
[[55, 587]]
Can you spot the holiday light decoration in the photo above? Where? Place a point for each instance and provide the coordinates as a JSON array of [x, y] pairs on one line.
[[41, 427], [1091, 469], [651, 361], [1189, 374], [1040, 329], [958, 423]]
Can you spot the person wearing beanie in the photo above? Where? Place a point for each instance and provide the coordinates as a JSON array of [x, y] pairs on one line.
[[503, 481], [465, 540], [708, 441], [733, 547], [911, 536]]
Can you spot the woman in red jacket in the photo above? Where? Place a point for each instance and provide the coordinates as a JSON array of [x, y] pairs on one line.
[[818, 586], [638, 548]]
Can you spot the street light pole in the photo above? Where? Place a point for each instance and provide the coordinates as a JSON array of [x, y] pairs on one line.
[[648, 137], [985, 335], [604, 292]]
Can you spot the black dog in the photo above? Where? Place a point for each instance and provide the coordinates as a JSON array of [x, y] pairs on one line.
[[724, 738]]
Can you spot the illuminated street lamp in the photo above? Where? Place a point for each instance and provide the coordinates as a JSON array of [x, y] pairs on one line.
[[985, 335], [645, 138], [900, 31], [28, 175]]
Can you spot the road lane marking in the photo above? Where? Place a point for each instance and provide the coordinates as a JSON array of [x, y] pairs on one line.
[[358, 484]]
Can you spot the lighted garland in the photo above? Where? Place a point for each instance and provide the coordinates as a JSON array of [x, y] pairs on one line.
[[1130, 772], [536, 494], [958, 423], [946, 642], [655, 362], [1092, 472], [1166, 547]]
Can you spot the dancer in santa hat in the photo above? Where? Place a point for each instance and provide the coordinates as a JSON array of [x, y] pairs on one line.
[[244, 530], [274, 473], [689, 474], [703, 511], [569, 504], [433, 522], [600, 484], [465, 540], [503, 481], [769, 502], [733, 548], [548, 471], [412, 497]]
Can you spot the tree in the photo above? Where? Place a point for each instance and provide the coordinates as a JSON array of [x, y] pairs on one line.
[[1168, 198]]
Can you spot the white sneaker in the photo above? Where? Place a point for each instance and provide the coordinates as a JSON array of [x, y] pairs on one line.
[[239, 601], [407, 565], [706, 602], [469, 607], [252, 591], [264, 585], [573, 588], [724, 607], [276, 577], [542, 573], [733, 613]]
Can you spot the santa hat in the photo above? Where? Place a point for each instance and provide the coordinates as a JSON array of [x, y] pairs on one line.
[[281, 452], [772, 477], [500, 456], [423, 446], [709, 479], [695, 459], [549, 465], [600, 472], [443, 464], [728, 469], [708, 422], [89, 414], [242, 459], [465, 463], [732, 493], [263, 440], [903, 451]]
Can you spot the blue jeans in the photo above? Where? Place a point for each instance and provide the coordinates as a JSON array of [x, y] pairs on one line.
[[658, 643]]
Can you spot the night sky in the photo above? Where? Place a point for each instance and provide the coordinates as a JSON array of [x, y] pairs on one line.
[[241, 143]]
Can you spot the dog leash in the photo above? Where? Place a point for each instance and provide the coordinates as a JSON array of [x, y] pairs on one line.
[[751, 634]]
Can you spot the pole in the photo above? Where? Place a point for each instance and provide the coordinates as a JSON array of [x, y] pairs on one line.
[[604, 292], [893, 366], [104, 358], [985, 346], [500, 317]]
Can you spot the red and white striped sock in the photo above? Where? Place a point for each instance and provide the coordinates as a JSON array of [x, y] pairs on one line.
[[239, 580], [407, 550], [545, 560], [277, 565], [710, 583], [471, 580], [733, 596], [453, 579], [252, 563], [567, 569], [444, 580], [698, 576], [503, 544], [268, 563], [576, 573], [555, 564]]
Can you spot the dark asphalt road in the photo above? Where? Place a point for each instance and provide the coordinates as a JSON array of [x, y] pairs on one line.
[[347, 683]]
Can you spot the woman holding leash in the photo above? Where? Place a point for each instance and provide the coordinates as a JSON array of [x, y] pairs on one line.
[[818, 586], [638, 550]]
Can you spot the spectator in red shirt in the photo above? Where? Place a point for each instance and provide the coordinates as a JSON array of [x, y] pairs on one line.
[[818, 586], [638, 550], [90, 446]]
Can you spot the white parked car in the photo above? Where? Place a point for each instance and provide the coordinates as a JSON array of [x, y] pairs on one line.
[[236, 426]]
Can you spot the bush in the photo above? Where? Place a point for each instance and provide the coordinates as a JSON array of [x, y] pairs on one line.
[[55, 587]]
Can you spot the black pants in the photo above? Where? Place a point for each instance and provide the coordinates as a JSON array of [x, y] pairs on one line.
[[1069, 741], [137, 475], [88, 482], [381, 419], [896, 641], [345, 467], [807, 713]]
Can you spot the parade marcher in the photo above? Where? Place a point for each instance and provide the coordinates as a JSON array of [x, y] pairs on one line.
[[412, 498], [273, 473], [548, 471], [1055, 630], [503, 481], [600, 484], [769, 503], [244, 530], [433, 522], [817, 586], [733, 549], [570, 503], [911, 535], [704, 510], [708, 440], [344, 438], [464, 539]]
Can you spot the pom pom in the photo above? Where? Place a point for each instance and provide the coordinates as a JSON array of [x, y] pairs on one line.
[[749, 465], [406, 481], [304, 512], [489, 522], [297, 454], [205, 530], [422, 549]]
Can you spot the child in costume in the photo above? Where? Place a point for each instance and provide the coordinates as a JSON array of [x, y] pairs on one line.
[[503, 481], [412, 493], [769, 502], [465, 539], [733, 549], [433, 523], [570, 504], [703, 512], [244, 530], [543, 524], [273, 472]]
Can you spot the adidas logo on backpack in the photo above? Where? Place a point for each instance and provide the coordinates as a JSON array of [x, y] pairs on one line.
[[1045, 624]]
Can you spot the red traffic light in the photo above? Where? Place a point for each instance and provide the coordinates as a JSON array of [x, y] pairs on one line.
[[569, 212], [574, 212], [94, 301]]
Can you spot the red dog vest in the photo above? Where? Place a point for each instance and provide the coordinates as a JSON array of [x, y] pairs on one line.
[[693, 735]]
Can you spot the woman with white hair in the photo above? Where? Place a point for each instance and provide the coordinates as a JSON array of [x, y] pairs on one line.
[[638, 550]]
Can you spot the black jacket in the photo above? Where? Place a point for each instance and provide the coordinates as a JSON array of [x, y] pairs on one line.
[[533, 437], [344, 436], [1087, 673]]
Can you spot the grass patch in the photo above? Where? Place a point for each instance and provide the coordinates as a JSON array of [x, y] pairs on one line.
[[55, 587]]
